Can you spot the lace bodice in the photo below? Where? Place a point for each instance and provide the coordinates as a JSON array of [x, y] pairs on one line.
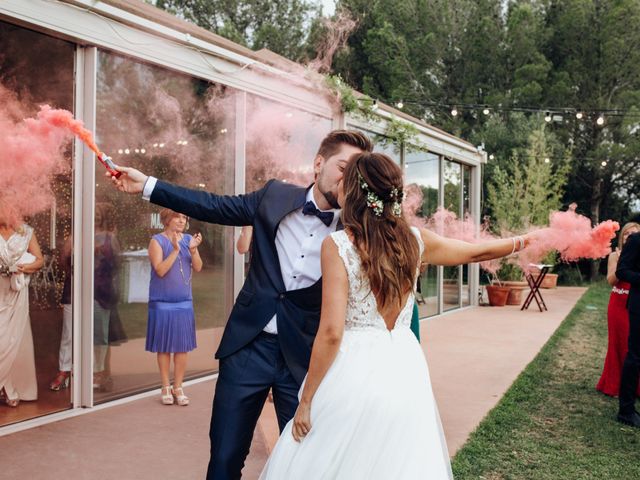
[[362, 308]]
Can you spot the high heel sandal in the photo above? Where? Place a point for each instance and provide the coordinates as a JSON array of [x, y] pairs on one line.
[[181, 398], [11, 402], [167, 395], [61, 381]]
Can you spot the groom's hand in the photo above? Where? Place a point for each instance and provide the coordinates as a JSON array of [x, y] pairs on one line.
[[301, 422], [131, 180]]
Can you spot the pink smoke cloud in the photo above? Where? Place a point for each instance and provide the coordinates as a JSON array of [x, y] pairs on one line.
[[32, 151], [568, 233], [572, 236]]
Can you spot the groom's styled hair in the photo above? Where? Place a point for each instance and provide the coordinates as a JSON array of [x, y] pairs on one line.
[[332, 142]]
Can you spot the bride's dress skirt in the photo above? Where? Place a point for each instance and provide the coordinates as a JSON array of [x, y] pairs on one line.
[[373, 417]]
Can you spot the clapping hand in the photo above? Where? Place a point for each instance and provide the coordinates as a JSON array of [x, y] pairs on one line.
[[301, 422], [131, 180], [195, 242], [175, 240]]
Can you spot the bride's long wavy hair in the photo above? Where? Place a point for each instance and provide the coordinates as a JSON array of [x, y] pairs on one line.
[[388, 249]]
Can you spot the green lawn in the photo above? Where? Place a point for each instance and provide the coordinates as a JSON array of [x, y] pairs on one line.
[[552, 423]]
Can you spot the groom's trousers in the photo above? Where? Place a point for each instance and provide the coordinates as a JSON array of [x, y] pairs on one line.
[[631, 367], [243, 384]]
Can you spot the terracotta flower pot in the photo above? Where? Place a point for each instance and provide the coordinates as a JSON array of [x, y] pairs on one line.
[[515, 294], [497, 295]]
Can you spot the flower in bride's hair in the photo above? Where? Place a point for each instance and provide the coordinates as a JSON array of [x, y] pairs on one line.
[[374, 203]]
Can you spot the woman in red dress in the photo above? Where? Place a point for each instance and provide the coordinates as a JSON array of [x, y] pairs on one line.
[[617, 320]]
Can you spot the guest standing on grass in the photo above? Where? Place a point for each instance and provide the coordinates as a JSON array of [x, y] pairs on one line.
[[171, 325], [617, 319]]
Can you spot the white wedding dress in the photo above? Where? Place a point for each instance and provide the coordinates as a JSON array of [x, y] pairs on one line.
[[374, 415], [17, 362]]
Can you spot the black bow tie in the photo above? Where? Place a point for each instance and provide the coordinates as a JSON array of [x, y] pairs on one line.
[[310, 209]]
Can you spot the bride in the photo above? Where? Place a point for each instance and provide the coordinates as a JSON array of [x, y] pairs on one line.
[[366, 408], [20, 256]]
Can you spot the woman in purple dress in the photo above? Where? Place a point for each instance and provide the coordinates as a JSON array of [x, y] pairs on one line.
[[171, 326]]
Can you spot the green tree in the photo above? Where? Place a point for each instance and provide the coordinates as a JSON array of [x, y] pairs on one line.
[[530, 186], [282, 26], [593, 48]]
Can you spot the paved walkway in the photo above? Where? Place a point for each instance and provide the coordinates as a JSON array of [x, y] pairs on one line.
[[474, 356]]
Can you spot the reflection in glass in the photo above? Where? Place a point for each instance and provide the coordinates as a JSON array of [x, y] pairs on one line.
[[466, 210], [452, 276], [40, 69], [182, 130], [423, 169], [381, 144], [282, 142]]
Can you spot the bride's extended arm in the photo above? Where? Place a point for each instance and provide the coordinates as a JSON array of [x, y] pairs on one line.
[[448, 251], [335, 289]]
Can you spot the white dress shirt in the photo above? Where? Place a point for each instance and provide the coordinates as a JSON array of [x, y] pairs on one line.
[[298, 241]]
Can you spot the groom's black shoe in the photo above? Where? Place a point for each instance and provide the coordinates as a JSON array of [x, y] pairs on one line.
[[632, 419]]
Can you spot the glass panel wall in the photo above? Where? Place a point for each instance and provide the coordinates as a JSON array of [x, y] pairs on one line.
[[38, 69], [182, 130], [466, 211], [422, 170], [282, 142], [452, 276], [381, 144]]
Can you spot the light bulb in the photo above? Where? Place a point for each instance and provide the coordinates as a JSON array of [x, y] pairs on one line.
[[600, 120], [579, 115], [454, 112]]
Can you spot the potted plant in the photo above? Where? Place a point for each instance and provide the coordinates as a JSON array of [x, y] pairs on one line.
[[497, 293], [513, 277]]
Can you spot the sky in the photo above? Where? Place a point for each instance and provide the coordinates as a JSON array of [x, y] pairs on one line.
[[328, 6]]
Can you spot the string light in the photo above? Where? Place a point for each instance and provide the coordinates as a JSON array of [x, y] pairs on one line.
[[547, 160], [400, 104], [551, 114], [492, 156]]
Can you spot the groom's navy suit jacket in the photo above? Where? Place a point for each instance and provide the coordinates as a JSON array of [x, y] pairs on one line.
[[263, 293]]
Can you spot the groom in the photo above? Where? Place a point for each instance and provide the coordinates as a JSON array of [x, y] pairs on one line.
[[629, 270], [268, 338]]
